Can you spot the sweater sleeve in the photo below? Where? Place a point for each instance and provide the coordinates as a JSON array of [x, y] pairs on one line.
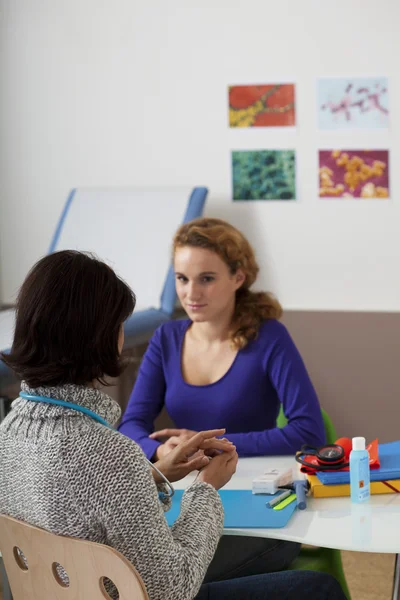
[[147, 399], [286, 371], [122, 496]]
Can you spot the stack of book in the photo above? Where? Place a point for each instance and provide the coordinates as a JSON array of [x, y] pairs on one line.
[[384, 480]]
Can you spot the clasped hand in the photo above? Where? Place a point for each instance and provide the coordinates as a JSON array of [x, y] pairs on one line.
[[171, 437], [194, 454]]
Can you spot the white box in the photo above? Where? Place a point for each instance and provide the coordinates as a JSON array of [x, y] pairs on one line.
[[271, 480]]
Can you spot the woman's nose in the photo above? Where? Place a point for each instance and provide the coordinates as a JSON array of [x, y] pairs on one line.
[[193, 290]]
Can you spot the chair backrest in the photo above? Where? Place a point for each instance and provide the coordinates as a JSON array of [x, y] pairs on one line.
[[132, 230], [7, 321], [330, 431], [85, 563]]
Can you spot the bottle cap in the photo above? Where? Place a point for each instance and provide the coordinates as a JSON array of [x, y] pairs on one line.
[[358, 443]]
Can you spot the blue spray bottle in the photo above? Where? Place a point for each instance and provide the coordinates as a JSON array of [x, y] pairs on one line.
[[359, 471]]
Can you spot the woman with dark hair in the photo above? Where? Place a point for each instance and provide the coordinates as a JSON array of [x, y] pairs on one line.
[[231, 364], [65, 469]]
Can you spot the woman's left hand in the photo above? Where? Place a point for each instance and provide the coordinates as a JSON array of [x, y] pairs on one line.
[[172, 438], [173, 435], [189, 455]]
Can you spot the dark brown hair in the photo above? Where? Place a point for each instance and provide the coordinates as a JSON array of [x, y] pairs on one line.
[[69, 312], [229, 243]]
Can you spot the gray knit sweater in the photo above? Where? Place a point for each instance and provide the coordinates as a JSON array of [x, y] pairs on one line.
[[65, 472]]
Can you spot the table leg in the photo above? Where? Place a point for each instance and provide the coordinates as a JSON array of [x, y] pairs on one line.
[[6, 586], [396, 580]]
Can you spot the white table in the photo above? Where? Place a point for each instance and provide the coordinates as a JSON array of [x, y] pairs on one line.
[[328, 522]]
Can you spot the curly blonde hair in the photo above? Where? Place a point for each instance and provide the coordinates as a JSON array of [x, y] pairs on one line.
[[251, 308]]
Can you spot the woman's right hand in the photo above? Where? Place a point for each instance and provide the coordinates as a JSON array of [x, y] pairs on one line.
[[220, 469]]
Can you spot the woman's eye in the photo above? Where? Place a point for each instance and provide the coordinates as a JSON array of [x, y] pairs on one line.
[[181, 278], [208, 279]]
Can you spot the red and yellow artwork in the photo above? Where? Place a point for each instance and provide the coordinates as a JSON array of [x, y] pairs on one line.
[[262, 105]]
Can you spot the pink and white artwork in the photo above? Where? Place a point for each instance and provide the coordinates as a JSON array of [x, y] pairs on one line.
[[353, 103]]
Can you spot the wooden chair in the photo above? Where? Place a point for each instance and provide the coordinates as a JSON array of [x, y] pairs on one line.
[[86, 564]]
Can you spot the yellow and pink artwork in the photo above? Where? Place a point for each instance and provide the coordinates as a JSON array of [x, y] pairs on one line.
[[354, 174]]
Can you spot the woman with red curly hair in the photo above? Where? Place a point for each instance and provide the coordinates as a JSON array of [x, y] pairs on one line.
[[231, 364]]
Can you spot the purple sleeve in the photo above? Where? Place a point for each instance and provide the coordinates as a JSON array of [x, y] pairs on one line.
[[288, 375], [146, 400]]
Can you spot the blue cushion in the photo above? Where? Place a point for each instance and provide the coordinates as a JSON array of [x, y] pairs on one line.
[[194, 209], [6, 375], [141, 324], [145, 322]]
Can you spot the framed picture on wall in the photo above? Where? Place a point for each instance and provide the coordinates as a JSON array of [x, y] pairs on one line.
[[353, 103], [266, 105], [360, 174], [263, 175]]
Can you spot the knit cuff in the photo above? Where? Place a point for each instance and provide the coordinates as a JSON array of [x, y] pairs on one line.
[[163, 494], [214, 502]]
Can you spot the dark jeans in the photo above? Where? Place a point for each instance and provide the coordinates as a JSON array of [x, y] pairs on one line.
[[241, 556], [288, 585], [6, 586]]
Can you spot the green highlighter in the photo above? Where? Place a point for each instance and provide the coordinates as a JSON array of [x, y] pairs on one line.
[[285, 502]]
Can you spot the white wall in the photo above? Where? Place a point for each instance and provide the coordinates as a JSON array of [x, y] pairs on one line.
[[124, 92]]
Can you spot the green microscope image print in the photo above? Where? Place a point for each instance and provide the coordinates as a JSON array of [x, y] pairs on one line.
[[264, 175]]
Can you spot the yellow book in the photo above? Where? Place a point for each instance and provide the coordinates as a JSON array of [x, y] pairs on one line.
[[319, 490]]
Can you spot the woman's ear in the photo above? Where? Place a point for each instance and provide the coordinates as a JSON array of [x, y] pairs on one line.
[[240, 278]]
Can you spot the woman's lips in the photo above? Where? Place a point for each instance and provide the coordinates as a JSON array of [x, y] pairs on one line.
[[196, 306]]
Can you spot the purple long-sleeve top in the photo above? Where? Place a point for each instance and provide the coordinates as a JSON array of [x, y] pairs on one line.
[[267, 373]]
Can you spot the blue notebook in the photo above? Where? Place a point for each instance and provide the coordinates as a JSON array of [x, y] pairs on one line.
[[242, 510], [389, 456]]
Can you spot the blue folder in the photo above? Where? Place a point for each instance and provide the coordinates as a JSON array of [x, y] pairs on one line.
[[242, 510], [389, 456]]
